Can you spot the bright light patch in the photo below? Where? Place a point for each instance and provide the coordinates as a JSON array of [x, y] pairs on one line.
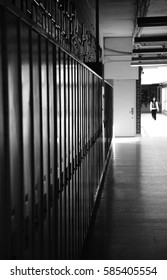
[[154, 75], [150, 127]]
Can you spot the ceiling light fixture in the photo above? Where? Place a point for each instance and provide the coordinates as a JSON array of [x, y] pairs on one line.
[[148, 63]]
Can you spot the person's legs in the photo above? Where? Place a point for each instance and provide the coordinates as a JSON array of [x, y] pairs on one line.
[[154, 114]]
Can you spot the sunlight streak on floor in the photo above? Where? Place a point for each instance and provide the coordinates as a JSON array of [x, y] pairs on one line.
[[151, 127]]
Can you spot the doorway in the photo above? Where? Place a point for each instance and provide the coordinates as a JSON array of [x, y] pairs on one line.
[[124, 108]]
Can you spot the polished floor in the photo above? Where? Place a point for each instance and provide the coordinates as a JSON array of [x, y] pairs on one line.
[[131, 220]]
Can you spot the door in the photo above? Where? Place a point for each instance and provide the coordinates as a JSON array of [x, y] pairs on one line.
[[124, 108]]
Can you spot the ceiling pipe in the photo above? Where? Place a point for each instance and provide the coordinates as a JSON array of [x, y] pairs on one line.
[[151, 58]]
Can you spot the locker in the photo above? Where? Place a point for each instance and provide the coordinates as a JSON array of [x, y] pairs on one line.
[[91, 109], [72, 120], [80, 206], [83, 112], [66, 117], [82, 152], [76, 148], [70, 123], [52, 149], [82, 194], [77, 234], [63, 224], [70, 143], [79, 127], [58, 112], [3, 209], [88, 111], [71, 162], [85, 119], [45, 149], [79, 124], [67, 216], [62, 120], [68, 140], [51, 122], [89, 184], [37, 146], [59, 228], [74, 152], [86, 199], [60, 149], [88, 212], [74, 232], [71, 218], [27, 139], [14, 139], [64, 96]]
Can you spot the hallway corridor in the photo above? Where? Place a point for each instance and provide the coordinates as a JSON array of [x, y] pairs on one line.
[[131, 220]]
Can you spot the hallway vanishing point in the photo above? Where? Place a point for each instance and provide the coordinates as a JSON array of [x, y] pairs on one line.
[[131, 220]]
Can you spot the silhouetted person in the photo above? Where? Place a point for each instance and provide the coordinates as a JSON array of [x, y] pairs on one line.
[[154, 108]]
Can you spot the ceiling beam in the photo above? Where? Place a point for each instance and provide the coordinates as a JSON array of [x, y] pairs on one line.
[[151, 21], [149, 50], [150, 39]]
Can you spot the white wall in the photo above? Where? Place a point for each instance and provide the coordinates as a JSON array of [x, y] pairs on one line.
[[120, 70], [117, 68]]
